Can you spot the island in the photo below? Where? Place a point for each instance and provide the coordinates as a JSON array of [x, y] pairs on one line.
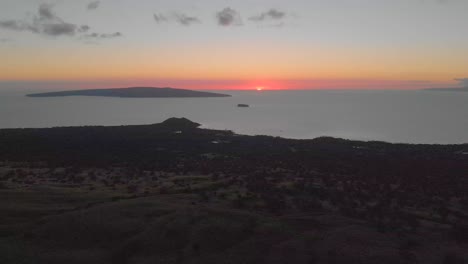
[[133, 92], [462, 89]]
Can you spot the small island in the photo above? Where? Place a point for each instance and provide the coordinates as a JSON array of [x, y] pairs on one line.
[[133, 92]]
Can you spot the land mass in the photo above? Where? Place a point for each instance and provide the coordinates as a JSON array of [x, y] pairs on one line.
[[133, 92], [175, 193], [463, 89]]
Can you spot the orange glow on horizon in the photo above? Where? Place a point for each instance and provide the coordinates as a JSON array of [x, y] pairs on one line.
[[233, 84], [301, 68]]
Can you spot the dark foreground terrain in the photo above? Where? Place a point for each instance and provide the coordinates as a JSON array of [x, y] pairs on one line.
[[174, 193]]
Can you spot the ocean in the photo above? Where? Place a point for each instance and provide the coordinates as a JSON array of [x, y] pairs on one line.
[[392, 116]]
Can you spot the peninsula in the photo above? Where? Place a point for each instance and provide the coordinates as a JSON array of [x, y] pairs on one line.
[[133, 92]]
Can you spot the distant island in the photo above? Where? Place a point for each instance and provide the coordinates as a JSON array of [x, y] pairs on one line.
[[463, 89], [132, 92]]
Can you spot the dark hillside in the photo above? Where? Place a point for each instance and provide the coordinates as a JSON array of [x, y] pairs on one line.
[[175, 193]]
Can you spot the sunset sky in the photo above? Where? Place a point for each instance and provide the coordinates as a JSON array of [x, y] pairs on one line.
[[218, 44]]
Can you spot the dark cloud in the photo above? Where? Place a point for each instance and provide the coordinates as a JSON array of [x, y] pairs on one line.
[[228, 17], [186, 20], [159, 18], [11, 25], [84, 29], [113, 35], [103, 36], [59, 29], [92, 35], [50, 24], [46, 12], [272, 14], [93, 5], [17, 25], [463, 81], [47, 23], [179, 18]]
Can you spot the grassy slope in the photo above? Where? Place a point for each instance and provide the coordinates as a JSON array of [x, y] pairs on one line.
[[145, 194]]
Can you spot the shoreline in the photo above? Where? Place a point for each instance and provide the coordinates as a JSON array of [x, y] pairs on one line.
[[110, 194], [233, 132]]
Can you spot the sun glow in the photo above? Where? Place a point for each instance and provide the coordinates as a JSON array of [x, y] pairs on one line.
[[260, 88]]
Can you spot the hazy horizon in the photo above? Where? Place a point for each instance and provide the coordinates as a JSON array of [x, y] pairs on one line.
[[222, 45], [385, 115], [22, 89]]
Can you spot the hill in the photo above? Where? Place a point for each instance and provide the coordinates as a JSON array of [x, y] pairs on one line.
[[133, 92], [175, 193]]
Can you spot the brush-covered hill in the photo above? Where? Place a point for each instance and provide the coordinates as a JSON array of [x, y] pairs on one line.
[[178, 194]]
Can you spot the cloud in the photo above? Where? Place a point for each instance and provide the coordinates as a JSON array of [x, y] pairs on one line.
[[462, 81], [46, 12], [179, 18], [58, 29], [17, 25], [186, 20], [84, 28], [52, 25], [5, 40], [228, 17], [103, 36], [159, 18], [272, 14], [12, 25], [47, 23], [93, 5]]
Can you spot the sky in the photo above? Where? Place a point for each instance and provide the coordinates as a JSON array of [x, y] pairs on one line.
[[242, 44]]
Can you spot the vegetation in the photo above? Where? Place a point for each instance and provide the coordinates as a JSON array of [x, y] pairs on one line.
[[174, 193]]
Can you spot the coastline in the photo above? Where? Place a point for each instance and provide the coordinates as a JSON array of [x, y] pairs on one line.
[[109, 194]]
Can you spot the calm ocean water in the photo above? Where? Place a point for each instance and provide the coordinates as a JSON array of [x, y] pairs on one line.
[[393, 116]]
